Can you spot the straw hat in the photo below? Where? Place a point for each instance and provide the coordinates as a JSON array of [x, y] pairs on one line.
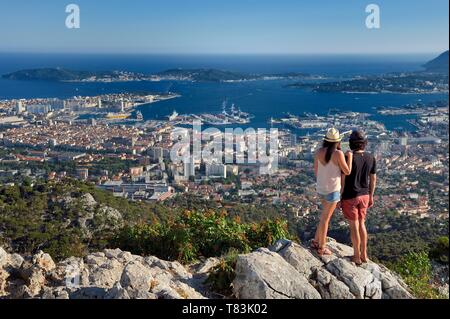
[[333, 136]]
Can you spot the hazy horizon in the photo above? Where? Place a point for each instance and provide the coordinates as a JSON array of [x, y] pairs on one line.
[[248, 27], [308, 54], [257, 63]]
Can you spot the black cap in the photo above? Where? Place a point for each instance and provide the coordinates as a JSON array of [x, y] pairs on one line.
[[357, 136]]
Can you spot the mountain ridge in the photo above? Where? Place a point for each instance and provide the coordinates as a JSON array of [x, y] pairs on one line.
[[438, 64]]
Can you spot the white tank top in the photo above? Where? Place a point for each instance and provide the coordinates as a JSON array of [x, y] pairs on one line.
[[328, 178]]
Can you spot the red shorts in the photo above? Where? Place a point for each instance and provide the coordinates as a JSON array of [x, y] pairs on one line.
[[355, 208]]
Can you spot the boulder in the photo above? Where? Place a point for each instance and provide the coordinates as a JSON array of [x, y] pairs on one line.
[[361, 283], [173, 268], [330, 287], [4, 257], [112, 253], [300, 258], [135, 278], [43, 261], [105, 274], [125, 256], [264, 274], [15, 261], [34, 278], [71, 273], [206, 266]]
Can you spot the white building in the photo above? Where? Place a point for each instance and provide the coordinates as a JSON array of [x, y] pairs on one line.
[[189, 169], [38, 109], [19, 107], [156, 153], [216, 170]]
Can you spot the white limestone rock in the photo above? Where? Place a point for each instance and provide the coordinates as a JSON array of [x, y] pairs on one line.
[[266, 275]]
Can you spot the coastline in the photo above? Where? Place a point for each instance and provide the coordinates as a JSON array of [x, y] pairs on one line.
[[390, 92]]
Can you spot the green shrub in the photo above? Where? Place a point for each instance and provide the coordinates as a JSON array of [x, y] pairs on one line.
[[440, 250], [267, 232], [194, 234], [221, 276], [415, 269]]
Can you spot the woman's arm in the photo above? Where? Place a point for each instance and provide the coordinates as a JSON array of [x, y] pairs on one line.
[[345, 165], [342, 183], [316, 164]]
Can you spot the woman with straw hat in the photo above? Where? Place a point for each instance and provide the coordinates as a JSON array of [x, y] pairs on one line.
[[329, 165]]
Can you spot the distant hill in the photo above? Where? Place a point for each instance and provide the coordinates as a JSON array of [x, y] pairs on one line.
[[53, 74], [205, 75], [439, 64], [214, 75], [195, 75]]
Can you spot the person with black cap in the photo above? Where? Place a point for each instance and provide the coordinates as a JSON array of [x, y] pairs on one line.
[[357, 195]]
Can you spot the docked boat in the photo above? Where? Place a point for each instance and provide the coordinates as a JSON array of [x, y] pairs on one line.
[[117, 116], [173, 116]]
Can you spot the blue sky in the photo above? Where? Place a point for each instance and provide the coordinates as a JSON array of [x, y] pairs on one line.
[[226, 26]]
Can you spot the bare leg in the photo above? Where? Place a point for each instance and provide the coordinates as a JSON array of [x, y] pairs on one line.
[[317, 234], [322, 230], [363, 237], [356, 240]]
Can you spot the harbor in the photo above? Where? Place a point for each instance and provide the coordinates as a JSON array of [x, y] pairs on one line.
[[233, 115]]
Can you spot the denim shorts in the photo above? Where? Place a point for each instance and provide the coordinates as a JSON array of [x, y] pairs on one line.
[[334, 197]]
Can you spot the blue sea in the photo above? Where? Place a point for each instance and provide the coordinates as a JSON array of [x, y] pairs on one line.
[[263, 99]]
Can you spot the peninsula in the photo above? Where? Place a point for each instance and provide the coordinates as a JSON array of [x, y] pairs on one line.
[[433, 79], [193, 75]]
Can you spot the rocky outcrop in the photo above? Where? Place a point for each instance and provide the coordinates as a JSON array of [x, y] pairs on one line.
[[290, 270], [91, 216], [284, 271], [111, 274]]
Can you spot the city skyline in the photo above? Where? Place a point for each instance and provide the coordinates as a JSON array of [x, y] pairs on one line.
[[244, 27]]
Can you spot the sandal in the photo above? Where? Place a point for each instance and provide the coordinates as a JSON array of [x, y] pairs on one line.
[[314, 244], [357, 262], [324, 251]]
